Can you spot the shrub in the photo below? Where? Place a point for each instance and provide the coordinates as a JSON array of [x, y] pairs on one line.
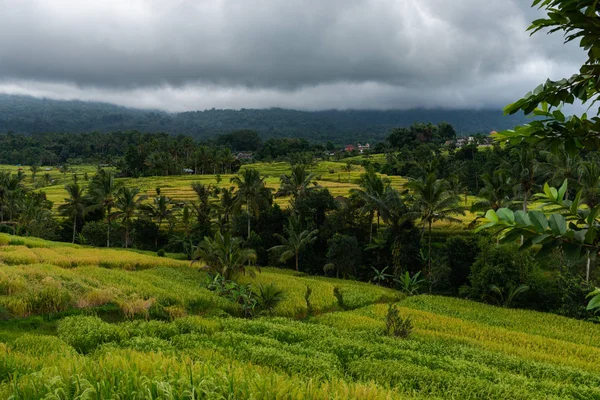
[[501, 266], [395, 325], [269, 296], [161, 252], [86, 333], [94, 233], [196, 325]]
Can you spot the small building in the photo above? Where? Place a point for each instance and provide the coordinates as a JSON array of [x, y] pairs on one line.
[[188, 171], [362, 149], [244, 155], [349, 148]]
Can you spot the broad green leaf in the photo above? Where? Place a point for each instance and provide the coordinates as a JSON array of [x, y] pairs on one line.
[[540, 238], [506, 215], [594, 303], [538, 220], [522, 218], [562, 190], [491, 216], [558, 224]]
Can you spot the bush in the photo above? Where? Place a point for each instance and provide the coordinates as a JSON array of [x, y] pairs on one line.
[[95, 233], [269, 296], [161, 252], [395, 325], [460, 253], [501, 266], [87, 333]]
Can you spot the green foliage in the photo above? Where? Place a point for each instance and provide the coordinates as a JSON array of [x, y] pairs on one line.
[[269, 297], [94, 233], [501, 267], [87, 333], [410, 285], [395, 325], [224, 255], [344, 255]]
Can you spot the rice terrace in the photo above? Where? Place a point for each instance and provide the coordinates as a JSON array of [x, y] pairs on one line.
[[415, 229]]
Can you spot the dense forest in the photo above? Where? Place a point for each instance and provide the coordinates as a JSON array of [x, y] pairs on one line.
[[21, 114]]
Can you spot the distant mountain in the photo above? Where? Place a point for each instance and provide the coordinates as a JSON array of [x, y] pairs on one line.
[[24, 114]]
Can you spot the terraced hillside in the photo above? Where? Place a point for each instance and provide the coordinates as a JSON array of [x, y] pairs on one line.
[[82, 323]]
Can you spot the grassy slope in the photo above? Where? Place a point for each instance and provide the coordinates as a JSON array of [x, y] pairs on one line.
[[329, 174], [459, 349]]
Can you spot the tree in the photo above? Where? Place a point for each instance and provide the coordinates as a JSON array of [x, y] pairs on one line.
[[34, 170], [128, 202], [74, 206], [224, 255], [434, 202], [577, 20], [372, 190], [525, 169], [348, 168], [296, 241], [589, 181], [343, 254], [252, 193], [559, 166], [496, 192], [103, 190], [298, 183]]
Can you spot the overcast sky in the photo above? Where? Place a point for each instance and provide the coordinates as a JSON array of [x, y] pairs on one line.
[[307, 54]]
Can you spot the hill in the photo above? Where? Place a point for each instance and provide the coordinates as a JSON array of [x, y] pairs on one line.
[[120, 324], [22, 114]]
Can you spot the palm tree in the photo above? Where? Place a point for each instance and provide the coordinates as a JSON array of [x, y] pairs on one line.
[[251, 193], [34, 170], [372, 189], [496, 192], [589, 180], [525, 169], [202, 159], [298, 183], [560, 166], [128, 202], [103, 190], [227, 158], [296, 241], [224, 255], [74, 205], [434, 202]]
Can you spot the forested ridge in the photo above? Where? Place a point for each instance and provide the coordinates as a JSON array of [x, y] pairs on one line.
[[23, 114]]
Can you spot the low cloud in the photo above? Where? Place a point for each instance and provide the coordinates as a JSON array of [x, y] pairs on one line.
[[181, 55]]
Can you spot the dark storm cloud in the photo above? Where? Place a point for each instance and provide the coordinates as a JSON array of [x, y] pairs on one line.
[[182, 54]]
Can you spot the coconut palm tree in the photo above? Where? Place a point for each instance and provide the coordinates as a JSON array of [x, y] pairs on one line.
[[524, 169], [299, 183], [496, 192], [589, 181], [252, 193], [128, 203], [372, 190], [559, 166], [227, 158], [74, 206], [34, 170], [433, 201], [296, 241], [103, 190], [224, 255]]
